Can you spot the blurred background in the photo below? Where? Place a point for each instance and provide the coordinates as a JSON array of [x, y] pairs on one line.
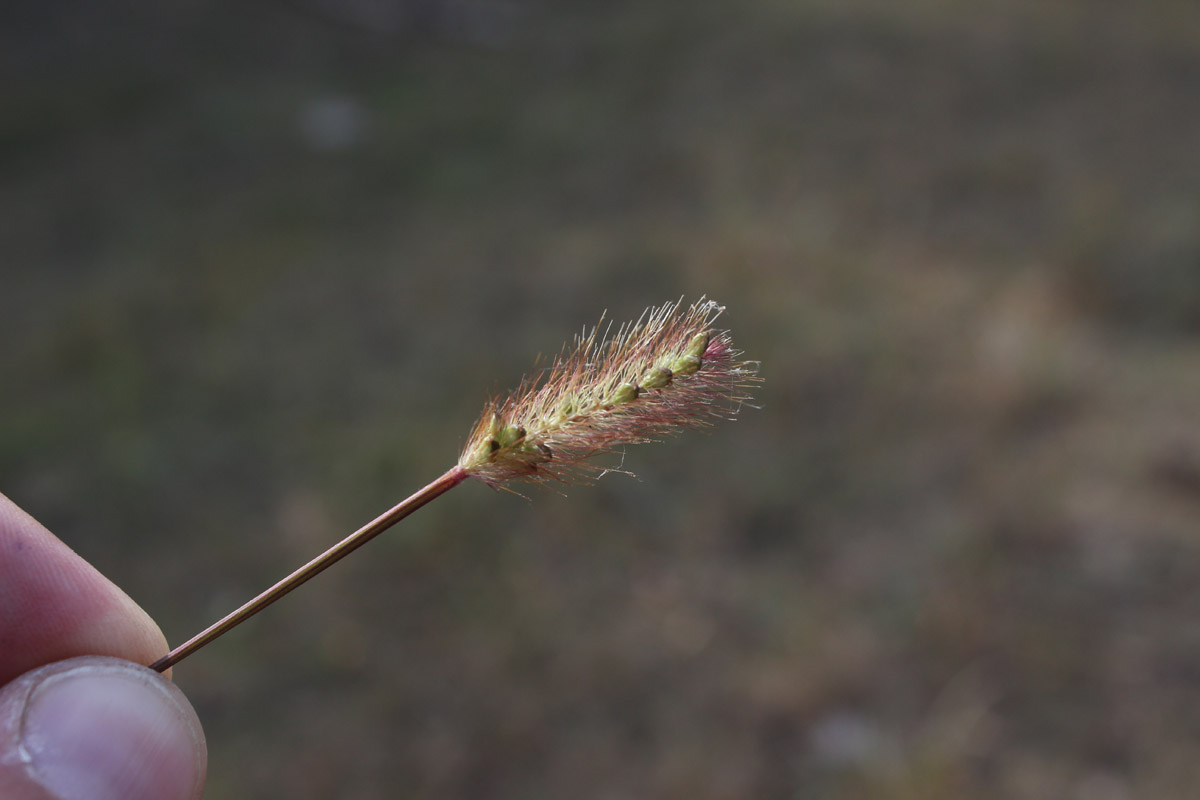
[[262, 263]]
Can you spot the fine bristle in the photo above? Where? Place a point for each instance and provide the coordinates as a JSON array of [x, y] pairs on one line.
[[667, 372]]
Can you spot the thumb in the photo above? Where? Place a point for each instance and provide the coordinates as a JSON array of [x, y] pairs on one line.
[[98, 728]]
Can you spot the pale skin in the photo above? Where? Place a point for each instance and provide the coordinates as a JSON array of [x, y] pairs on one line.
[[54, 608]]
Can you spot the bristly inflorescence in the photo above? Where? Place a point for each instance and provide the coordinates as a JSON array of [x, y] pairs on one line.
[[666, 372]]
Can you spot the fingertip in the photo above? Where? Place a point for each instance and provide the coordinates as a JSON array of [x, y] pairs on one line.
[[55, 605], [97, 728], [126, 631]]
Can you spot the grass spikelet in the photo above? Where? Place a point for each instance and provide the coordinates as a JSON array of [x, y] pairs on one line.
[[667, 372]]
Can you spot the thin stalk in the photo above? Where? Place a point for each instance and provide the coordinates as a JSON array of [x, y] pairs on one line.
[[334, 554]]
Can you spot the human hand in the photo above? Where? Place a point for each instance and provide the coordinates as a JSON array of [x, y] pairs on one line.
[[80, 719]]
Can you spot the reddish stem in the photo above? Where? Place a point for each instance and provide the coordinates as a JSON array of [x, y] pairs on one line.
[[339, 551]]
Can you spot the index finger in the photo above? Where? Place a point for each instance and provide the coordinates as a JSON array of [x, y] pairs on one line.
[[55, 605]]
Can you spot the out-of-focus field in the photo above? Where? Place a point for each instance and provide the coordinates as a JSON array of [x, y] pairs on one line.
[[260, 265]]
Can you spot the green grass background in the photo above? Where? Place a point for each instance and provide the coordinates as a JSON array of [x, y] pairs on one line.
[[955, 554]]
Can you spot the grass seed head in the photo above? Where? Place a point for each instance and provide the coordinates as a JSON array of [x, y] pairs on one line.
[[667, 372]]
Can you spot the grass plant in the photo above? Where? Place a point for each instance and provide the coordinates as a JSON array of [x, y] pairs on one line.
[[669, 371]]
